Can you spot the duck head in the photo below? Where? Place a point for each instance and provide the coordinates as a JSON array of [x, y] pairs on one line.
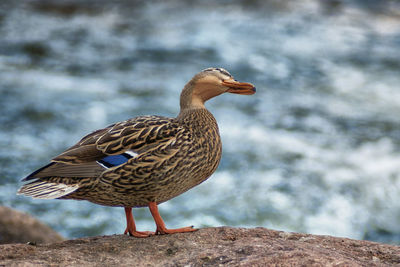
[[209, 83]]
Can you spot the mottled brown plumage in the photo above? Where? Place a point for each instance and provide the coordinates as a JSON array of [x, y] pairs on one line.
[[143, 161]]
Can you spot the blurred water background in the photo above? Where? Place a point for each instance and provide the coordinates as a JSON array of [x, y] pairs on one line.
[[316, 150]]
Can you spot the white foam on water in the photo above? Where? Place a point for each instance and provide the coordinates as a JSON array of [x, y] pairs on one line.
[[369, 173], [338, 217]]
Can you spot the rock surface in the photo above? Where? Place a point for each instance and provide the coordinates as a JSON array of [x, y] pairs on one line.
[[206, 247], [18, 227]]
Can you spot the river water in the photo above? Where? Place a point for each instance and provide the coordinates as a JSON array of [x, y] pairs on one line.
[[315, 150]]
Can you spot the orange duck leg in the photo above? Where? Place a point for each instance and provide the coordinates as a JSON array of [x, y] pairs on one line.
[[131, 227], [161, 229]]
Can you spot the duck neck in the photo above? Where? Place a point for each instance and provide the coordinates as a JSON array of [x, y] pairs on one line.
[[193, 110], [190, 101]]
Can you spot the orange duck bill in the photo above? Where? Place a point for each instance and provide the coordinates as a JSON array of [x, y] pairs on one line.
[[236, 87]]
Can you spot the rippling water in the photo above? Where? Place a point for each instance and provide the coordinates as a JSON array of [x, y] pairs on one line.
[[316, 150]]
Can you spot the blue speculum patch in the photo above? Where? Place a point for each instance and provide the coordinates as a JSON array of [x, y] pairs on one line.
[[114, 160]]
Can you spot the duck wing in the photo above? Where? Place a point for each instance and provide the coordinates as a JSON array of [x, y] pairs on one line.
[[133, 134], [103, 151], [110, 147]]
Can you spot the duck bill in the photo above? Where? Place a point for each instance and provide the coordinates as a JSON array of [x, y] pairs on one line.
[[236, 87]]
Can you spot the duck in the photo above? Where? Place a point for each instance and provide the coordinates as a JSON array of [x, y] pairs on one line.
[[143, 161]]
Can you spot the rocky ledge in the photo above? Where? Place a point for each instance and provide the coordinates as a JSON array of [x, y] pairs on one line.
[[206, 247]]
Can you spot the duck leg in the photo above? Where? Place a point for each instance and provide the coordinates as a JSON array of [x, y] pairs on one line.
[[131, 227], [161, 229]]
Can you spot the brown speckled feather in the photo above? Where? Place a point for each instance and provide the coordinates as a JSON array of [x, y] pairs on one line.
[[174, 154], [173, 157]]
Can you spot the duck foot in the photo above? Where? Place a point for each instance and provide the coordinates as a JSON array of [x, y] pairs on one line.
[[131, 226], [161, 229], [164, 231], [138, 233]]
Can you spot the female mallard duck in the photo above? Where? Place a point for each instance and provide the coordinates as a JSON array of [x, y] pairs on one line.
[[143, 161]]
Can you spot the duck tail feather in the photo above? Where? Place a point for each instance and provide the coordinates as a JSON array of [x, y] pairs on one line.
[[47, 190]]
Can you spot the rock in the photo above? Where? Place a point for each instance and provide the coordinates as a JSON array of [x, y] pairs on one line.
[[206, 247], [17, 227]]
